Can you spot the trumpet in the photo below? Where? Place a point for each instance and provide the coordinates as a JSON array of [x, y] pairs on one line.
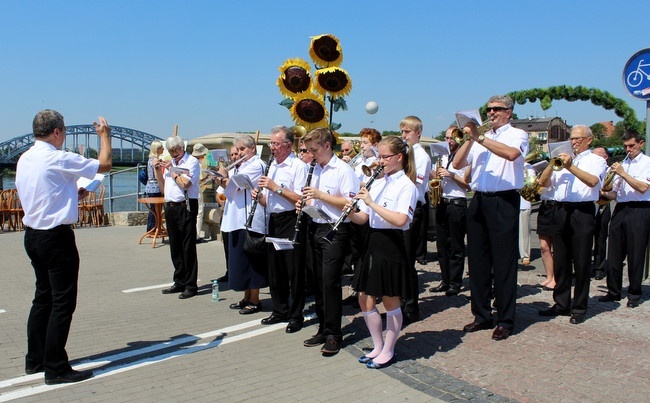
[[369, 170], [355, 160], [556, 163], [608, 184], [460, 137], [435, 186]]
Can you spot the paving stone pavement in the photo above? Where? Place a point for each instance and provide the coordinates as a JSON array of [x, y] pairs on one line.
[[145, 346]]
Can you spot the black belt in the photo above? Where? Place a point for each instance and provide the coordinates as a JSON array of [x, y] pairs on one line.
[[575, 204], [457, 201], [57, 228], [173, 203], [500, 193], [639, 203], [284, 213]]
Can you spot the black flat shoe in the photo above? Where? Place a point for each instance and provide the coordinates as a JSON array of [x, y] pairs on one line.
[[68, 377], [576, 318], [364, 359], [239, 305], [315, 340], [34, 369], [251, 308], [187, 294], [439, 288], [173, 289], [374, 365]]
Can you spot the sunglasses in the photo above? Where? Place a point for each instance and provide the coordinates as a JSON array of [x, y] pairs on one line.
[[303, 150], [496, 108]]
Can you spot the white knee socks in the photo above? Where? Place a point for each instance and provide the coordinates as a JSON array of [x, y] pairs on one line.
[[393, 328], [373, 322]]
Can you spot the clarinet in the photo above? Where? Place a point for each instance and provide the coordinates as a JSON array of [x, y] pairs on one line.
[[296, 229], [249, 221], [347, 211]]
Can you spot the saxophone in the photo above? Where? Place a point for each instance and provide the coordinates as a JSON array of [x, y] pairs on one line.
[[435, 186]]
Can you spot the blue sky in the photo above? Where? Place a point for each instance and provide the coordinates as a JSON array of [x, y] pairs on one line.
[[211, 66]]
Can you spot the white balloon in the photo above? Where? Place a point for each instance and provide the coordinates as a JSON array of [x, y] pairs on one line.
[[372, 107]]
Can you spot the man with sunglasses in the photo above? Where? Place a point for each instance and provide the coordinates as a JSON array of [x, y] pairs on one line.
[[576, 188], [496, 159], [629, 229]]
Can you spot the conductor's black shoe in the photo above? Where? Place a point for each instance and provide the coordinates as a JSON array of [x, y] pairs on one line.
[[34, 369], [272, 320], [315, 340], [187, 294], [609, 298], [553, 311], [68, 377], [577, 318], [632, 303], [439, 288], [452, 291], [173, 289]]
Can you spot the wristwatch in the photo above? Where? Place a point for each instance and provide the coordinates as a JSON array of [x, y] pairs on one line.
[[279, 191], [480, 139]]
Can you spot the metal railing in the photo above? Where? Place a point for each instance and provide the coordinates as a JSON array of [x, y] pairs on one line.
[[112, 197]]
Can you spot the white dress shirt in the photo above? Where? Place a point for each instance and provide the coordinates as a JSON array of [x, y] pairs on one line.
[[337, 179], [422, 170], [395, 192], [290, 174], [638, 168], [568, 188], [238, 200], [173, 191]]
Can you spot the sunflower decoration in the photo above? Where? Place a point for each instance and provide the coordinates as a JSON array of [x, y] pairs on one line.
[[325, 50], [294, 77], [309, 111], [333, 80]]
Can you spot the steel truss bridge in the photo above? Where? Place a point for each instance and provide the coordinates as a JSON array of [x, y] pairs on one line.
[[130, 147]]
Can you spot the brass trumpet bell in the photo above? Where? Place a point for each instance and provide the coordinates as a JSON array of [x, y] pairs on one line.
[[459, 136], [557, 164], [369, 170]]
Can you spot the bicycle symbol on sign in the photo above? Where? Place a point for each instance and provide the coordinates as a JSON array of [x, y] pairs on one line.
[[635, 78]]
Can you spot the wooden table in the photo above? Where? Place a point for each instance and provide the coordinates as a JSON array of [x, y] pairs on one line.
[[159, 230]]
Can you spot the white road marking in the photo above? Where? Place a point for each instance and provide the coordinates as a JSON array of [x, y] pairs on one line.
[[150, 287], [2, 311], [220, 338]]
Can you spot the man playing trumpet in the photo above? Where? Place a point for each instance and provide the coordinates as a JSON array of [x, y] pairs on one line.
[[630, 226], [576, 188]]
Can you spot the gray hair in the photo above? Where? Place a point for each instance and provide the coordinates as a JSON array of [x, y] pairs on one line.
[[246, 140], [288, 134], [504, 99], [174, 141], [46, 121]]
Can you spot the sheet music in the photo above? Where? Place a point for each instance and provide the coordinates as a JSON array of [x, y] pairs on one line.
[[280, 243], [242, 182], [554, 149], [90, 184], [179, 170], [317, 213], [439, 149], [468, 116]]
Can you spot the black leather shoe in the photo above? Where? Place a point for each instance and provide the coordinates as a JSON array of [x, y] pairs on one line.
[[332, 346], [293, 326], [552, 312], [577, 318], [173, 289], [34, 369], [68, 377], [315, 340], [632, 303], [273, 319], [501, 333], [439, 288], [476, 326], [410, 317], [452, 291], [223, 279], [187, 294], [609, 298]]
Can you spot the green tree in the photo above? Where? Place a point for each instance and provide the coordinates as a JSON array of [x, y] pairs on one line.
[[598, 130], [390, 133]]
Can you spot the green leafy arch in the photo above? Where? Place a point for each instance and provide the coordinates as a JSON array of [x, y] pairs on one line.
[[578, 93]]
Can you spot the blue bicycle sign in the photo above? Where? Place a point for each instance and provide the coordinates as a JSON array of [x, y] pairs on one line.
[[636, 75]]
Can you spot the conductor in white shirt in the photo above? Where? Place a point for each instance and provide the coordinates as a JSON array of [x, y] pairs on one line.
[[46, 179]]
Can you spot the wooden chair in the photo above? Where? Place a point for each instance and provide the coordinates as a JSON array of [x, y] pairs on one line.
[[4, 209], [91, 208], [12, 209]]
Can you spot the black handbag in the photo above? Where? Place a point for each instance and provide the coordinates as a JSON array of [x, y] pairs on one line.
[[254, 243]]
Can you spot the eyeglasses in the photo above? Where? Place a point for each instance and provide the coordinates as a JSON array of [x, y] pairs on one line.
[[496, 108], [277, 143], [386, 157], [577, 138], [303, 150], [448, 138]]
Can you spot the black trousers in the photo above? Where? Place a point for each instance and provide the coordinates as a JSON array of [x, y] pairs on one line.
[[629, 232], [411, 239], [55, 259], [328, 261], [421, 247], [493, 249], [286, 268], [451, 227], [572, 236], [603, 217], [181, 228]]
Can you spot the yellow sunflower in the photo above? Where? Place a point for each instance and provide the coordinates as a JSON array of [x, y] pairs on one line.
[[325, 50], [333, 80], [309, 111], [294, 77]]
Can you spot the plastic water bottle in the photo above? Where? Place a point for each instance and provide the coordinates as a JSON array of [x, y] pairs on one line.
[[215, 291]]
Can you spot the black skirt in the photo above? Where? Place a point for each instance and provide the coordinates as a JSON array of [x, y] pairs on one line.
[[245, 272], [545, 219], [383, 270]]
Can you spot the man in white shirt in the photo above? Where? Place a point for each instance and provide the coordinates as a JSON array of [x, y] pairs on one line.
[[629, 229], [46, 179], [576, 187]]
